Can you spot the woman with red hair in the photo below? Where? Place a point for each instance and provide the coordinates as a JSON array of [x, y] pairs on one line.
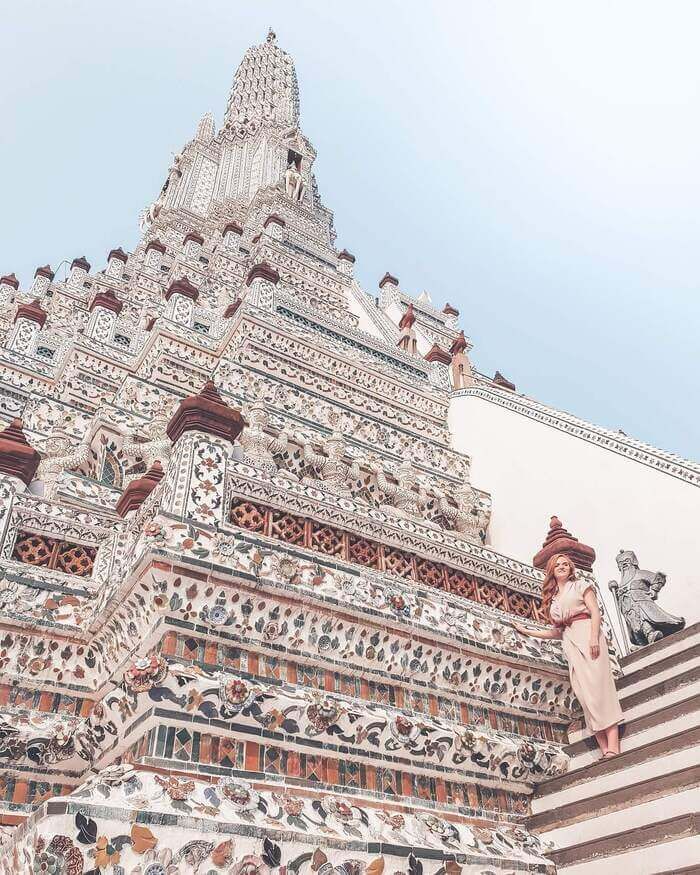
[[572, 607]]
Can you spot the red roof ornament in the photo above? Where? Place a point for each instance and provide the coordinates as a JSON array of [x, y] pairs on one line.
[[233, 228], [194, 237], [459, 344], [182, 287], [81, 262], [347, 256], [138, 490], [438, 354], [108, 300], [45, 271], [17, 457], [558, 540], [206, 412], [274, 219], [408, 318], [118, 254], [449, 310], [388, 278], [10, 280], [156, 246], [263, 271], [232, 308], [33, 312], [501, 381]]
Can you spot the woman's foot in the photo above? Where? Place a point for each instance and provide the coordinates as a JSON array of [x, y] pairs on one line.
[[609, 754]]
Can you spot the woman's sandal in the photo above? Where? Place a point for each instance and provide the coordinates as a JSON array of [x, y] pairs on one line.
[[609, 754]]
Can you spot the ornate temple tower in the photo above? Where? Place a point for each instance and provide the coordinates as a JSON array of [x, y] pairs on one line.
[[251, 619]]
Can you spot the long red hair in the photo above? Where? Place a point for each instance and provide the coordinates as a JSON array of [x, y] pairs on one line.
[[549, 585]]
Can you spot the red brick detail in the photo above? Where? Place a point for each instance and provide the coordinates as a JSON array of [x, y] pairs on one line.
[[388, 278], [459, 344], [438, 354], [17, 457], [33, 312], [233, 228], [194, 237], [108, 300], [349, 547], [232, 308], [263, 271], [80, 262], [10, 280], [501, 381], [138, 490], [119, 254], [182, 287], [408, 318], [346, 256], [206, 412], [156, 245], [449, 310], [44, 271], [274, 219], [558, 540]]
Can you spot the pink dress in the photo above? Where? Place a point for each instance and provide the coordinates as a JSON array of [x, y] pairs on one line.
[[591, 679]]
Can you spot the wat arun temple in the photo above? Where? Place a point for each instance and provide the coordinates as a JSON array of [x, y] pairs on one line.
[[258, 572]]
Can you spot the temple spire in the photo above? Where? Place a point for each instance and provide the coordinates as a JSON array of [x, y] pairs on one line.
[[265, 87]]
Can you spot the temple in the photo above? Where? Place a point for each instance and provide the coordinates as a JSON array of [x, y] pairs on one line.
[[256, 600]]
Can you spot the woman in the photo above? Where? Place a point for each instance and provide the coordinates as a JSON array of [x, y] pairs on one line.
[[572, 606]]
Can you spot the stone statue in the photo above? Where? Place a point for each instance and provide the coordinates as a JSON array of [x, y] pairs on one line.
[[636, 595], [406, 494], [333, 472], [293, 182], [259, 447], [470, 516], [61, 455]]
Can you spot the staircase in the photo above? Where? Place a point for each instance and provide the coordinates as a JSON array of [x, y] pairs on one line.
[[638, 813]]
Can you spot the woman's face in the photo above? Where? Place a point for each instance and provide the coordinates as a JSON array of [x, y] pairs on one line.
[[562, 569]]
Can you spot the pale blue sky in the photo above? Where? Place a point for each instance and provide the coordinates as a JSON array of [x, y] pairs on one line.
[[536, 164]]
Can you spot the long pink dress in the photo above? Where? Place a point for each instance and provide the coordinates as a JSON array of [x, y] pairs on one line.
[[591, 679]]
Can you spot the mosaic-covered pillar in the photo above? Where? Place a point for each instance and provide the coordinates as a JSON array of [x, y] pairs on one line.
[[8, 286], [232, 236], [261, 283], [104, 309], [43, 277], [116, 260], [203, 430], [181, 296], [155, 251], [193, 245], [346, 262], [79, 269], [29, 320]]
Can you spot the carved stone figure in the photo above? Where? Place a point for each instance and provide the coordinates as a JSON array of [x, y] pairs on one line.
[[258, 446], [406, 494], [293, 183], [333, 471], [470, 516], [61, 455], [636, 595]]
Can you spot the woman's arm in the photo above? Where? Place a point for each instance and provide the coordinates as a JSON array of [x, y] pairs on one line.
[[592, 604], [554, 632]]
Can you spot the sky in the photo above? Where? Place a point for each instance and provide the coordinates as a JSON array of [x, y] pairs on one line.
[[534, 164]]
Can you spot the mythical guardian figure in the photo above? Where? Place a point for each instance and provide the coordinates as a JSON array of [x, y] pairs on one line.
[[334, 473], [636, 595], [259, 447], [470, 515], [61, 455], [406, 494]]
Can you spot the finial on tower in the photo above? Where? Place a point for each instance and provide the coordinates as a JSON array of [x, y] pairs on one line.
[[271, 35]]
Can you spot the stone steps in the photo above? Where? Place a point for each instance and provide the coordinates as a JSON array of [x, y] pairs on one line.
[[638, 812]]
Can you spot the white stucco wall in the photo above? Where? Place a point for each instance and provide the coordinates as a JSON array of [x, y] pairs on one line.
[[534, 470]]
